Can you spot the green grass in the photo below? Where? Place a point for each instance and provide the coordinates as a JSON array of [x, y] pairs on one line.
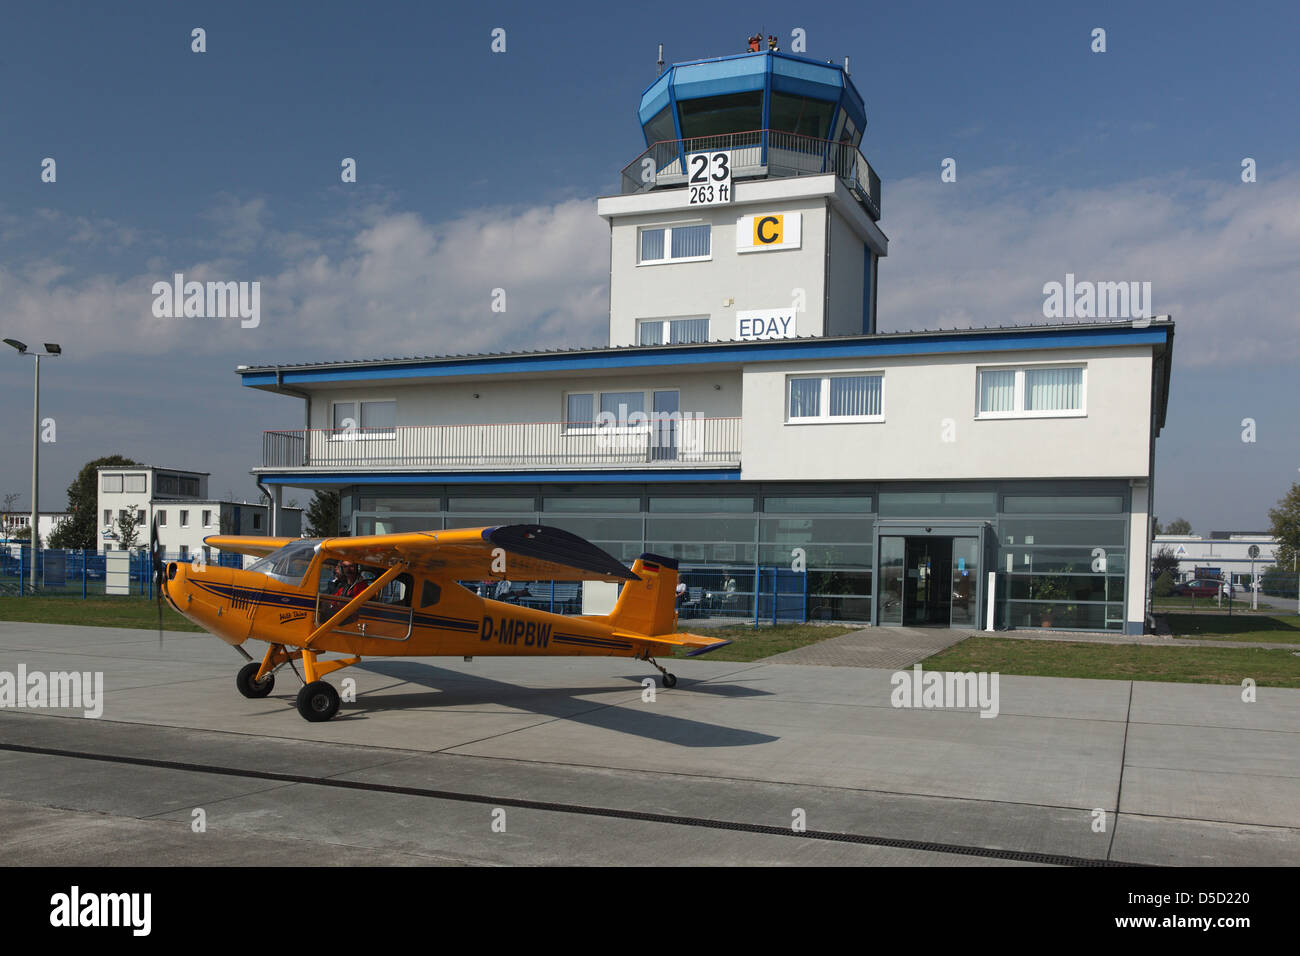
[[1189, 665], [752, 643], [93, 612], [1260, 628]]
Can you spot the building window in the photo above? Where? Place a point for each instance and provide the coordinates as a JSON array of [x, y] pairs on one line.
[[1032, 391], [579, 409], [162, 519], [108, 517], [257, 522], [673, 331], [837, 398], [377, 419], [185, 552], [674, 243], [185, 518], [134, 483], [207, 518], [139, 516], [112, 483]]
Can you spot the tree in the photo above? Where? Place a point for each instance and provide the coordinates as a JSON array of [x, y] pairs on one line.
[[128, 527], [323, 515], [81, 530], [1179, 526], [1164, 585], [1165, 562], [1286, 528], [1155, 527]]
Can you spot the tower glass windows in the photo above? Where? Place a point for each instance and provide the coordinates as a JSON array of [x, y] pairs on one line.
[[715, 115]]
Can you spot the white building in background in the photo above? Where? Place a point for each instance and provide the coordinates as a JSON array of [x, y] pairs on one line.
[[47, 521], [185, 512], [745, 416], [1220, 554]]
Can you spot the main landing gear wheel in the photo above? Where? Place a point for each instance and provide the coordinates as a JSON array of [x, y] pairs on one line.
[[248, 686], [670, 680], [318, 701]]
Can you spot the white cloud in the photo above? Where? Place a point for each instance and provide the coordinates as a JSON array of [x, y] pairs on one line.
[[1223, 258]]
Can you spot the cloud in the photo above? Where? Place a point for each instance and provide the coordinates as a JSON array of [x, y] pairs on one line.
[[393, 283], [1223, 257]]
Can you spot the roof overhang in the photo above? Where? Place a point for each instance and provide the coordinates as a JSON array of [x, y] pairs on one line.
[[712, 356]]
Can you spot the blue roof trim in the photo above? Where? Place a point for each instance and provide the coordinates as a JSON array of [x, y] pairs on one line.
[[652, 101], [939, 344], [513, 477]]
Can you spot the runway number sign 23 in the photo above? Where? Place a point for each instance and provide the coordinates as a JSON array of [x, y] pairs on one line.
[[709, 178]]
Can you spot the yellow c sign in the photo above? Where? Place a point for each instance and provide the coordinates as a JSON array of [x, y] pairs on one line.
[[768, 230]]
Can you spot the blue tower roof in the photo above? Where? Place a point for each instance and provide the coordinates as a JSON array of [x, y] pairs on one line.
[[751, 91]]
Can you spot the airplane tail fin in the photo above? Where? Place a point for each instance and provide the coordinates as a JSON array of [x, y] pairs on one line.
[[648, 606]]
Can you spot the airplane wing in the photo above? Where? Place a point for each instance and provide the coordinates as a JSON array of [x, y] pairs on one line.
[[255, 544], [530, 552]]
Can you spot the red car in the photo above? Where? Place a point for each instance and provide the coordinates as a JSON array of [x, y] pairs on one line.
[[1200, 587]]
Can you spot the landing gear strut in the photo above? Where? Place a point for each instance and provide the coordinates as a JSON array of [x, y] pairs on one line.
[[670, 680]]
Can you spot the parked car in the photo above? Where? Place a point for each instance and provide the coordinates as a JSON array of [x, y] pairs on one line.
[[1198, 587]]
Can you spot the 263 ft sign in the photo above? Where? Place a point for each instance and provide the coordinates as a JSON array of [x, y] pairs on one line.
[[709, 178]]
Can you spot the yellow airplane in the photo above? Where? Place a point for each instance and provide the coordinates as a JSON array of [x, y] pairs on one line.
[[398, 595]]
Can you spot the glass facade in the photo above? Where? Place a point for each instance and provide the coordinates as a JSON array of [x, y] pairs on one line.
[[1061, 560]]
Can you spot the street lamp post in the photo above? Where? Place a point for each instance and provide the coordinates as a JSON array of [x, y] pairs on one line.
[[50, 349]]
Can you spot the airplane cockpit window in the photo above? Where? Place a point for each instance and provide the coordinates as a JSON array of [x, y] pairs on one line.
[[290, 563], [347, 579]]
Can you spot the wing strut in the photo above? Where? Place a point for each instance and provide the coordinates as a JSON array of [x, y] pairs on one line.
[[341, 614]]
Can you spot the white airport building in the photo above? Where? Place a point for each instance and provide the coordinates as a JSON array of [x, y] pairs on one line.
[[186, 515], [1221, 554], [47, 521], [746, 417]]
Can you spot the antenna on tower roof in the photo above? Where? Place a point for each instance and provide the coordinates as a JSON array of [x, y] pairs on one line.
[[661, 58]]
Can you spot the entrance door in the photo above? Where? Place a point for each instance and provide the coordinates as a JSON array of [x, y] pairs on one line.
[[663, 427], [927, 582]]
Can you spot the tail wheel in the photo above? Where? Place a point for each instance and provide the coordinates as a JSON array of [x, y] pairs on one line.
[[318, 701], [670, 680], [249, 687]]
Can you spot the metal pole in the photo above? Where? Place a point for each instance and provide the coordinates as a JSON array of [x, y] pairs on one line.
[[36, 447]]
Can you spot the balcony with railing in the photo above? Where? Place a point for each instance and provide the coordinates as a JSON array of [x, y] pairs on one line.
[[661, 441], [756, 154]]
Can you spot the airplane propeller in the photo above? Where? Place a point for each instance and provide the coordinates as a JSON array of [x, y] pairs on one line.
[[155, 555]]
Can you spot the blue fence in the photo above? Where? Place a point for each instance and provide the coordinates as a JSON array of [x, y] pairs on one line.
[[764, 595], [74, 573]]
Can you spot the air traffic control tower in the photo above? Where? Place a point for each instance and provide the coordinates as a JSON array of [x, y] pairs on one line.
[[751, 214]]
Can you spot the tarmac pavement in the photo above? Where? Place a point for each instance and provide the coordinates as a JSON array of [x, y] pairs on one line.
[[564, 761]]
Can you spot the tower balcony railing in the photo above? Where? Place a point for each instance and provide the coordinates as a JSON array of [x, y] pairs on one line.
[[655, 440], [755, 154]]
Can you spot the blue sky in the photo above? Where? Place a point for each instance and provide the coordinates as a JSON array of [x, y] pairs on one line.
[[1120, 165]]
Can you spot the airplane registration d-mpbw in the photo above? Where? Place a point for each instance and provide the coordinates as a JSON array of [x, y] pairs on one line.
[[398, 595]]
